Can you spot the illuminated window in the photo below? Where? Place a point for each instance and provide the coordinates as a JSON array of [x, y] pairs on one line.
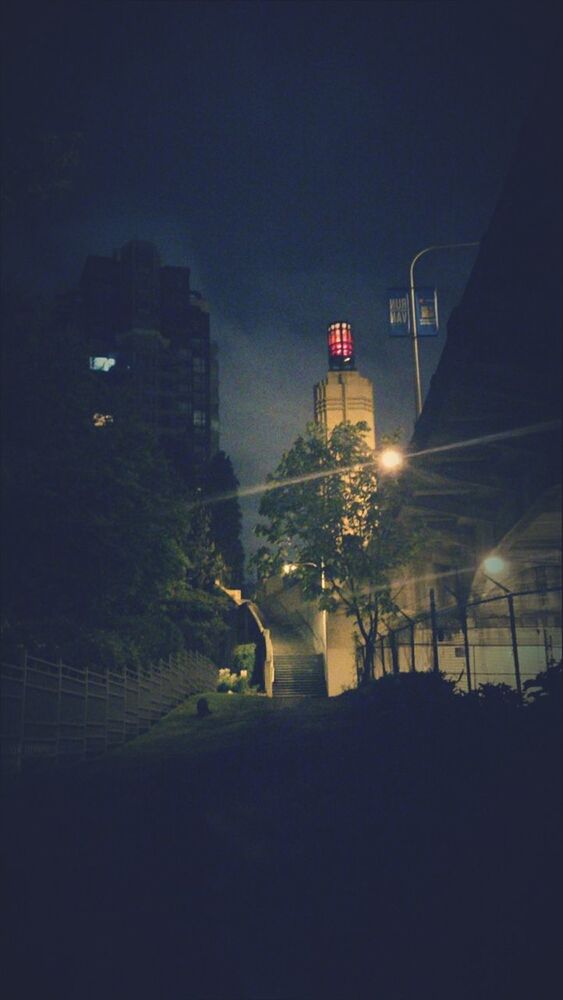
[[101, 364], [102, 419], [200, 418]]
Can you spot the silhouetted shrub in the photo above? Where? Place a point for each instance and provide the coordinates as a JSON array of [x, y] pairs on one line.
[[495, 695], [407, 690], [546, 689]]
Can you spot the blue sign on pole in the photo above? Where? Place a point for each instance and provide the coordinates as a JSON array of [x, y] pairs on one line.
[[426, 312], [399, 316], [426, 303]]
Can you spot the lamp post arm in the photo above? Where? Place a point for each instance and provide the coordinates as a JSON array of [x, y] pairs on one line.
[[416, 359], [496, 583], [437, 246]]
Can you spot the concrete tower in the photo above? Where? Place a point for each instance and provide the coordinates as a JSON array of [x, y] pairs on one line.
[[344, 394]]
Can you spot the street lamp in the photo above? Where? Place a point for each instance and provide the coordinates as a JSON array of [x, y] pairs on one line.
[[288, 568], [421, 253], [390, 460], [496, 564]]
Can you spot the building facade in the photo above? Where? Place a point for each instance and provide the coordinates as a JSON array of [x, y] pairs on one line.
[[489, 484], [149, 334]]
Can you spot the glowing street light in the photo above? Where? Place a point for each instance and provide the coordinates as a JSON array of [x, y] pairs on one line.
[[390, 460], [494, 564]]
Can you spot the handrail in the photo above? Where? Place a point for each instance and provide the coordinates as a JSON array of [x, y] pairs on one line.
[[269, 670]]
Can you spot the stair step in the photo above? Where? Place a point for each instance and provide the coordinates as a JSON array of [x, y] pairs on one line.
[[298, 661]]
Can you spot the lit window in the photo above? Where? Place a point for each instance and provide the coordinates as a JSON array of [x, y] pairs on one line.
[[101, 364], [200, 418], [102, 419]]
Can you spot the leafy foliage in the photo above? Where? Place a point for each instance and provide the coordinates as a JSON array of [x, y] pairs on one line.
[[497, 695], [225, 516], [333, 517], [106, 560], [231, 682], [244, 660], [546, 689]]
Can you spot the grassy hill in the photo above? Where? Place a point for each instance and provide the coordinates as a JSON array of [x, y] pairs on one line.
[[402, 842]]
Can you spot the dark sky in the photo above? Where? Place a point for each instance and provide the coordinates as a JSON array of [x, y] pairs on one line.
[[294, 155]]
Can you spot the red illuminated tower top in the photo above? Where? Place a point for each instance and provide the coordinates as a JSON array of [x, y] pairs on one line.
[[340, 348]]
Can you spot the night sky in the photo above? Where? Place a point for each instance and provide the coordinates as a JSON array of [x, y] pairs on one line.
[[294, 155]]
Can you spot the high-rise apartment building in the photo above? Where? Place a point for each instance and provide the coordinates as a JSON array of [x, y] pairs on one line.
[[149, 332], [344, 395]]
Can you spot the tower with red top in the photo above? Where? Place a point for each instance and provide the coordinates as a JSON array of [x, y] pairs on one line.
[[340, 348], [344, 395]]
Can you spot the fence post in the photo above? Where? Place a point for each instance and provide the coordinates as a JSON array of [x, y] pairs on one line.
[[59, 707], [463, 621], [21, 752], [85, 737], [106, 712], [510, 602], [413, 654], [138, 700], [393, 647], [124, 727], [383, 667], [435, 658]]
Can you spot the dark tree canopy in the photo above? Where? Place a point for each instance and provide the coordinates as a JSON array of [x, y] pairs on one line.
[[225, 516], [105, 558]]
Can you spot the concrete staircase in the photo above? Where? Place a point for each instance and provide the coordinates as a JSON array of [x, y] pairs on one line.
[[299, 676], [298, 667], [299, 670]]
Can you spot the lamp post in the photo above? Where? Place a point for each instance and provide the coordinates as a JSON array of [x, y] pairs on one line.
[[414, 325], [289, 568], [498, 564]]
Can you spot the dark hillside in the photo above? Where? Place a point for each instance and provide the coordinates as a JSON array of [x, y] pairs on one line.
[[400, 844]]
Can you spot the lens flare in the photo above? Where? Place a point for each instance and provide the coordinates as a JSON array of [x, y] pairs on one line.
[[390, 460], [278, 484]]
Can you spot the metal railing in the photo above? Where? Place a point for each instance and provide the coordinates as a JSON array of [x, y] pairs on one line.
[[54, 711], [507, 638]]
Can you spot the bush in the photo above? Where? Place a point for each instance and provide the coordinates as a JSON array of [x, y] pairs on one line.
[[495, 695], [237, 683], [244, 661], [411, 688], [547, 687]]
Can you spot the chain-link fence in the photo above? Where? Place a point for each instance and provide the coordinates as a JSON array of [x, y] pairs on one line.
[[54, 711], [504, 639]]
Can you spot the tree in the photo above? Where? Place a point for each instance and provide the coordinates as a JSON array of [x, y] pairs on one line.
[[221, 483], [105, 558], [337, 520]]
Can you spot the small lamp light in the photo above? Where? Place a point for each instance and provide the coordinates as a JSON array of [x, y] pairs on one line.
[[495, 564], [391, 460]]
